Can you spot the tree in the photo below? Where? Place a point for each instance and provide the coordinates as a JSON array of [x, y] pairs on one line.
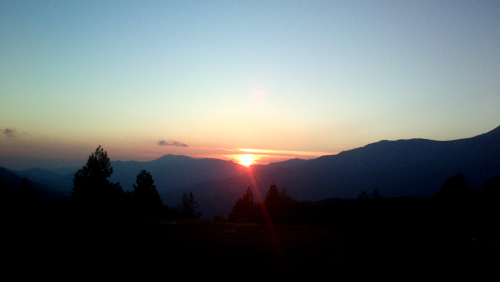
[[376, 195], [145, 197], [455, 188], [28, 194], [364, 196], [91, 187], [456, 203], [284, 195], [248, 197], [272, 197], [189, 205], [244, 208], [490, 190], [278, 204]]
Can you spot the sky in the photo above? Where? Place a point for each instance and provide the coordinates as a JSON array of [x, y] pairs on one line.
[[221, 79]]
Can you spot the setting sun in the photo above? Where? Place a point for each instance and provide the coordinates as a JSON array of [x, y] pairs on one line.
[[246, 160]]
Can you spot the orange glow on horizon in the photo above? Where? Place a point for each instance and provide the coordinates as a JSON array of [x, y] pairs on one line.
[[297, 154]]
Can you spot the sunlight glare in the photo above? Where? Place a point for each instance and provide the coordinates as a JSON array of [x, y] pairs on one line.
[[246, 160]]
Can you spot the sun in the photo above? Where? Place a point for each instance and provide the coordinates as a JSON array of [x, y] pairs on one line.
[[246, 160]]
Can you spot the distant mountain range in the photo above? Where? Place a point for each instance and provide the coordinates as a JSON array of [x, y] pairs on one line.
[[172, 172], [415, 168], [402, 168], [10, 182]]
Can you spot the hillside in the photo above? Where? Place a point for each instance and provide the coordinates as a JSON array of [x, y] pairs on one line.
[[414, 168], [401, 168], [10, 181]]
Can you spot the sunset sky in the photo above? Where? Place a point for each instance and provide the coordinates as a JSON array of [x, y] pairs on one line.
[[277, 79]]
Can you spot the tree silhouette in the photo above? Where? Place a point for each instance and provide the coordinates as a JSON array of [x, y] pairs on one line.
[[189, 205], [455, 188], [273, 196], [487, 210], [490, 190], [29, 201], [284, 195], [364, 196], [455, 207], [244, 208], [145, 196], [28, 194], [376, 195], [278, 204], [91, 187]]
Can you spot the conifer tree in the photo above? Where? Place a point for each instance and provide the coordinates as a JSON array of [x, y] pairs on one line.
[[91, 186], [145, 196], [277, 203], [189, 205], [244, 208]]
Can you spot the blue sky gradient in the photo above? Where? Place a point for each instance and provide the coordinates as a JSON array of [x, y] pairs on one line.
[[316, 77]]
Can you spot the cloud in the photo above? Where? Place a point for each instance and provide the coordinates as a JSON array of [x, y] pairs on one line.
[[10, 132], [172, 143], [287, 153]]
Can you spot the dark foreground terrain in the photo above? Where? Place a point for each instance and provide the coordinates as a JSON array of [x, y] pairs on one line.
[[76, 245]]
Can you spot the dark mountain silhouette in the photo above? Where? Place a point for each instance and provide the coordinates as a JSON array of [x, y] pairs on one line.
[[287, 164], [175, 171], [169, 172], [65, 170], [48, 178], [172, 172], [414, 168], [38, 173], [402, 168], [10, 181]]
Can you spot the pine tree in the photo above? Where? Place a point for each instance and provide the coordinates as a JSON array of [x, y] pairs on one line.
[[28, 194], [455, 188], [364, 196], [277, 204], [272, 196], [189, 205], [376, 195], [91, 187], [145, 197], [244, 208]]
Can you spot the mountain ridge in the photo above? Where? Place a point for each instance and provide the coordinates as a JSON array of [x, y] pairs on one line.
[[399, 168]]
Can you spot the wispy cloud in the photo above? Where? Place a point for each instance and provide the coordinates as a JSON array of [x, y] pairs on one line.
[[286, 153], [172, 143], [10, 132], [224, 149]]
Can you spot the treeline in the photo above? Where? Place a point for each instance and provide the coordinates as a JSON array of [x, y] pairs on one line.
[[94, 195], [456, 209], [93, 192], [455, 212], [277, 207], [22, 201]]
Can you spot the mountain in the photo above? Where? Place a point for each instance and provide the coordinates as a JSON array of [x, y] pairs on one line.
[[48, 178], [10, 181], [169, 172], [415, 168], [287, 164], [172, 172]]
